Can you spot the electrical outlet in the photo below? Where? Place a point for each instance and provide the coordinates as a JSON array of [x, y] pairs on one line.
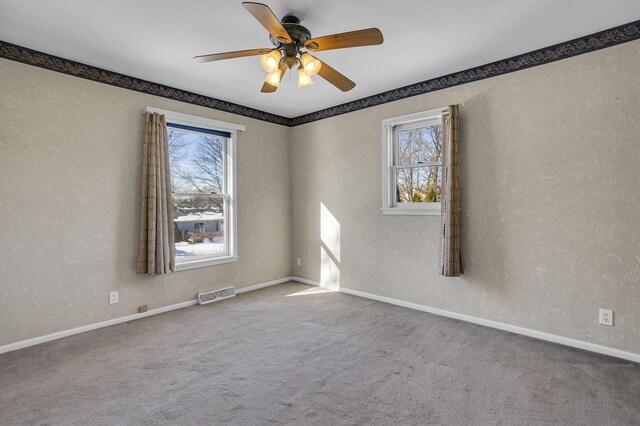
[[298, 262], [143, 308], [113, 297], [606, 317]]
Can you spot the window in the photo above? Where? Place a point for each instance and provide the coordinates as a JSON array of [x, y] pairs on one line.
[[202, 165], [198, 162], [412, 163]]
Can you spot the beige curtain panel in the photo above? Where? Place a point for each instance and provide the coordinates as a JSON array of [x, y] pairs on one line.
[[450, 260], [157, 251]]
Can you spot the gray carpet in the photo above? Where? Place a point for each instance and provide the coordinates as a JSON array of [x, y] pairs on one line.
[[311, 359]]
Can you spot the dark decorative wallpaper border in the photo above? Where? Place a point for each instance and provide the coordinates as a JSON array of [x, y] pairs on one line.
[[579, 46], [54, 63]]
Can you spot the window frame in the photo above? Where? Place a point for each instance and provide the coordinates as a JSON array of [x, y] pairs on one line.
[[389, 162], [230, 183]]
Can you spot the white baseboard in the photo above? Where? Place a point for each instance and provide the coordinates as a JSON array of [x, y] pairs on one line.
[[580, 344], [263, 285], [70, 332], [305, 281], [592, 347]]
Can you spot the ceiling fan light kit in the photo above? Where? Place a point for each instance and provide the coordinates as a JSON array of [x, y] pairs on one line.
[[303, 78], [311, 65], [273, 78], [288, 37], [271, 61]]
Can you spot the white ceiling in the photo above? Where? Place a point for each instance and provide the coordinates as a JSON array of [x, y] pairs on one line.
[[156, 40]]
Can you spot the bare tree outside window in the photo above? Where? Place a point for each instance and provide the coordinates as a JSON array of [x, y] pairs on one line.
[[197, 163], [418, 164], [177, 152]]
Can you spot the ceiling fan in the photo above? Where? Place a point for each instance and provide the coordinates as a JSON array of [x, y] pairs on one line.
[[289, 38]]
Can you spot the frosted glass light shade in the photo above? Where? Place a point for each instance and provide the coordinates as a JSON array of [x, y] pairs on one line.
[[311, 65], [273, 78], [270, 61], [303, 78]]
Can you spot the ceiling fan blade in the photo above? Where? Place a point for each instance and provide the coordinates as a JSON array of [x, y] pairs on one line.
[[368, 37], [265, 16], [335, 78], [231, 55], [269, 88]]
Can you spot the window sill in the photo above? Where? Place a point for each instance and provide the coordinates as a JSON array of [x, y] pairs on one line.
[[411, 212], [205, 262]]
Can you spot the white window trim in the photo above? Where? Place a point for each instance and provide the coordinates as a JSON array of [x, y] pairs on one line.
[[195, 121], [388, 194], [231, 226]]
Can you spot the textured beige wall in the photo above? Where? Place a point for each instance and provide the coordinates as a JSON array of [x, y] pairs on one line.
[[550, 197], [551, 206], [70, 160]]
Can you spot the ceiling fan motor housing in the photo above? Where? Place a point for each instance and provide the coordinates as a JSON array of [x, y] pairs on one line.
[[298, 33]]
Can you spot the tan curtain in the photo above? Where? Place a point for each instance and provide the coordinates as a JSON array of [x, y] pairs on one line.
[[157, 250], [450, 260]]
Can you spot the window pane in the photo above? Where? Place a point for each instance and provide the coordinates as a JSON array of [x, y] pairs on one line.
[[420, 145], [196, 162], [419, 184], [199, 228]]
